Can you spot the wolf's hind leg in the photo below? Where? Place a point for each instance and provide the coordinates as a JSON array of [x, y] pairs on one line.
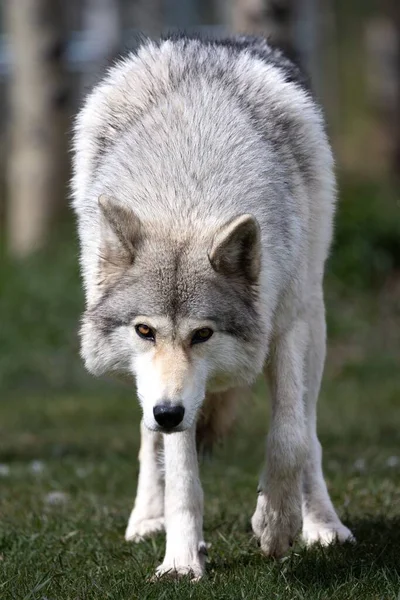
[[147, 516], [277, 518], [217, 416], [320, 521]]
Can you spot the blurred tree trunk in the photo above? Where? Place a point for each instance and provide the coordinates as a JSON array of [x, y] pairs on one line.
[[271, 18], [181, 15], [146, 15], [101, 21], [38, 99], [307, 36], [396, 157]]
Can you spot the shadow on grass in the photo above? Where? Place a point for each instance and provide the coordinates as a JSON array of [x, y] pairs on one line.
[[375, 554]]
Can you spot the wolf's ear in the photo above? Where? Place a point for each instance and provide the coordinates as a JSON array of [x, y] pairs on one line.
[[236, 248], [120, 237]]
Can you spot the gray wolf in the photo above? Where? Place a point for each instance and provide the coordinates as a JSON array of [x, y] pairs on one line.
[[204, 191]]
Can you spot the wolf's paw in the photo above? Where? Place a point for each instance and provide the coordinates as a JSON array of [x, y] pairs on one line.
[[138, 529], [190, 566], [326, 533], [276, 539], [275, 530], [172, 570]]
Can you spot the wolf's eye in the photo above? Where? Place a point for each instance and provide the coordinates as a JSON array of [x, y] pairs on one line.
[[145, 332], [202, 335]]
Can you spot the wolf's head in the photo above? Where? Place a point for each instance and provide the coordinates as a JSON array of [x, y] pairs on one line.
[[177, 310]]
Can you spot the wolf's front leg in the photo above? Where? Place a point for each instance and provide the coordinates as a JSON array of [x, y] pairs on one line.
[[147, 516], [277, 518], [185, 550]]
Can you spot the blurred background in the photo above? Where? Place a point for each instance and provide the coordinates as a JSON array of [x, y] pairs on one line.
[[68, 441]]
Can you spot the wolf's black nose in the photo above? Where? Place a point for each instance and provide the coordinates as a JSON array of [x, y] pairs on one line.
[[168, 416]]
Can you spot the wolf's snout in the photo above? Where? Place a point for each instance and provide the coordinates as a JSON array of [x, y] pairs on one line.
[[168, 416]]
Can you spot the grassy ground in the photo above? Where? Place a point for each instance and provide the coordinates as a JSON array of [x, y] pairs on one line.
[[68, 467]]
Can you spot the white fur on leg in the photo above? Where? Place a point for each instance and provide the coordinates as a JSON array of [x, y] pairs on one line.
[[321, 525], [277, 518], [147, 516], [276, 523], [320, 521], [140, 528], [183, 507], [320, 532]]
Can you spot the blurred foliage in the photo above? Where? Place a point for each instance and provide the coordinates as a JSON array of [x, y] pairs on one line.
[[366, 247], [40, 300]]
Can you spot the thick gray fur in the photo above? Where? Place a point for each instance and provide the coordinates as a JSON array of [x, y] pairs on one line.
[[219, 195]]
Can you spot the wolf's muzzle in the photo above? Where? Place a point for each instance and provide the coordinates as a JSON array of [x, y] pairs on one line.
[[168, 416]]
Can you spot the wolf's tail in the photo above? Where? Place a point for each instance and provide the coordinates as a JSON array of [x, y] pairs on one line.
[[217, 417]]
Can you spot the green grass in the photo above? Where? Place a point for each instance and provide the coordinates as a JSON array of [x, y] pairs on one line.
[[86, 447], [63, 431]]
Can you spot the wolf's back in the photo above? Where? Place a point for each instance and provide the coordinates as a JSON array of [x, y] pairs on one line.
[[260, 78], [191, 132]]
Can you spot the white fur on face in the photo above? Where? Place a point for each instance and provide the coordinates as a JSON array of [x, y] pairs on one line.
[[170, 376], [173, 370]]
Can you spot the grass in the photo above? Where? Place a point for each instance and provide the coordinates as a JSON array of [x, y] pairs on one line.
[[62, 431], [85, 448]]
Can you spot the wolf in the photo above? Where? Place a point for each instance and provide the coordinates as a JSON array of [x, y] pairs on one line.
[[204, 189]]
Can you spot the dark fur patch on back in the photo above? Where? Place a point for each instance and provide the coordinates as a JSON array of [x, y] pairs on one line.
[[259, 47]]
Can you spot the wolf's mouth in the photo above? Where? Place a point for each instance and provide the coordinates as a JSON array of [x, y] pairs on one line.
[[170, 430]]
